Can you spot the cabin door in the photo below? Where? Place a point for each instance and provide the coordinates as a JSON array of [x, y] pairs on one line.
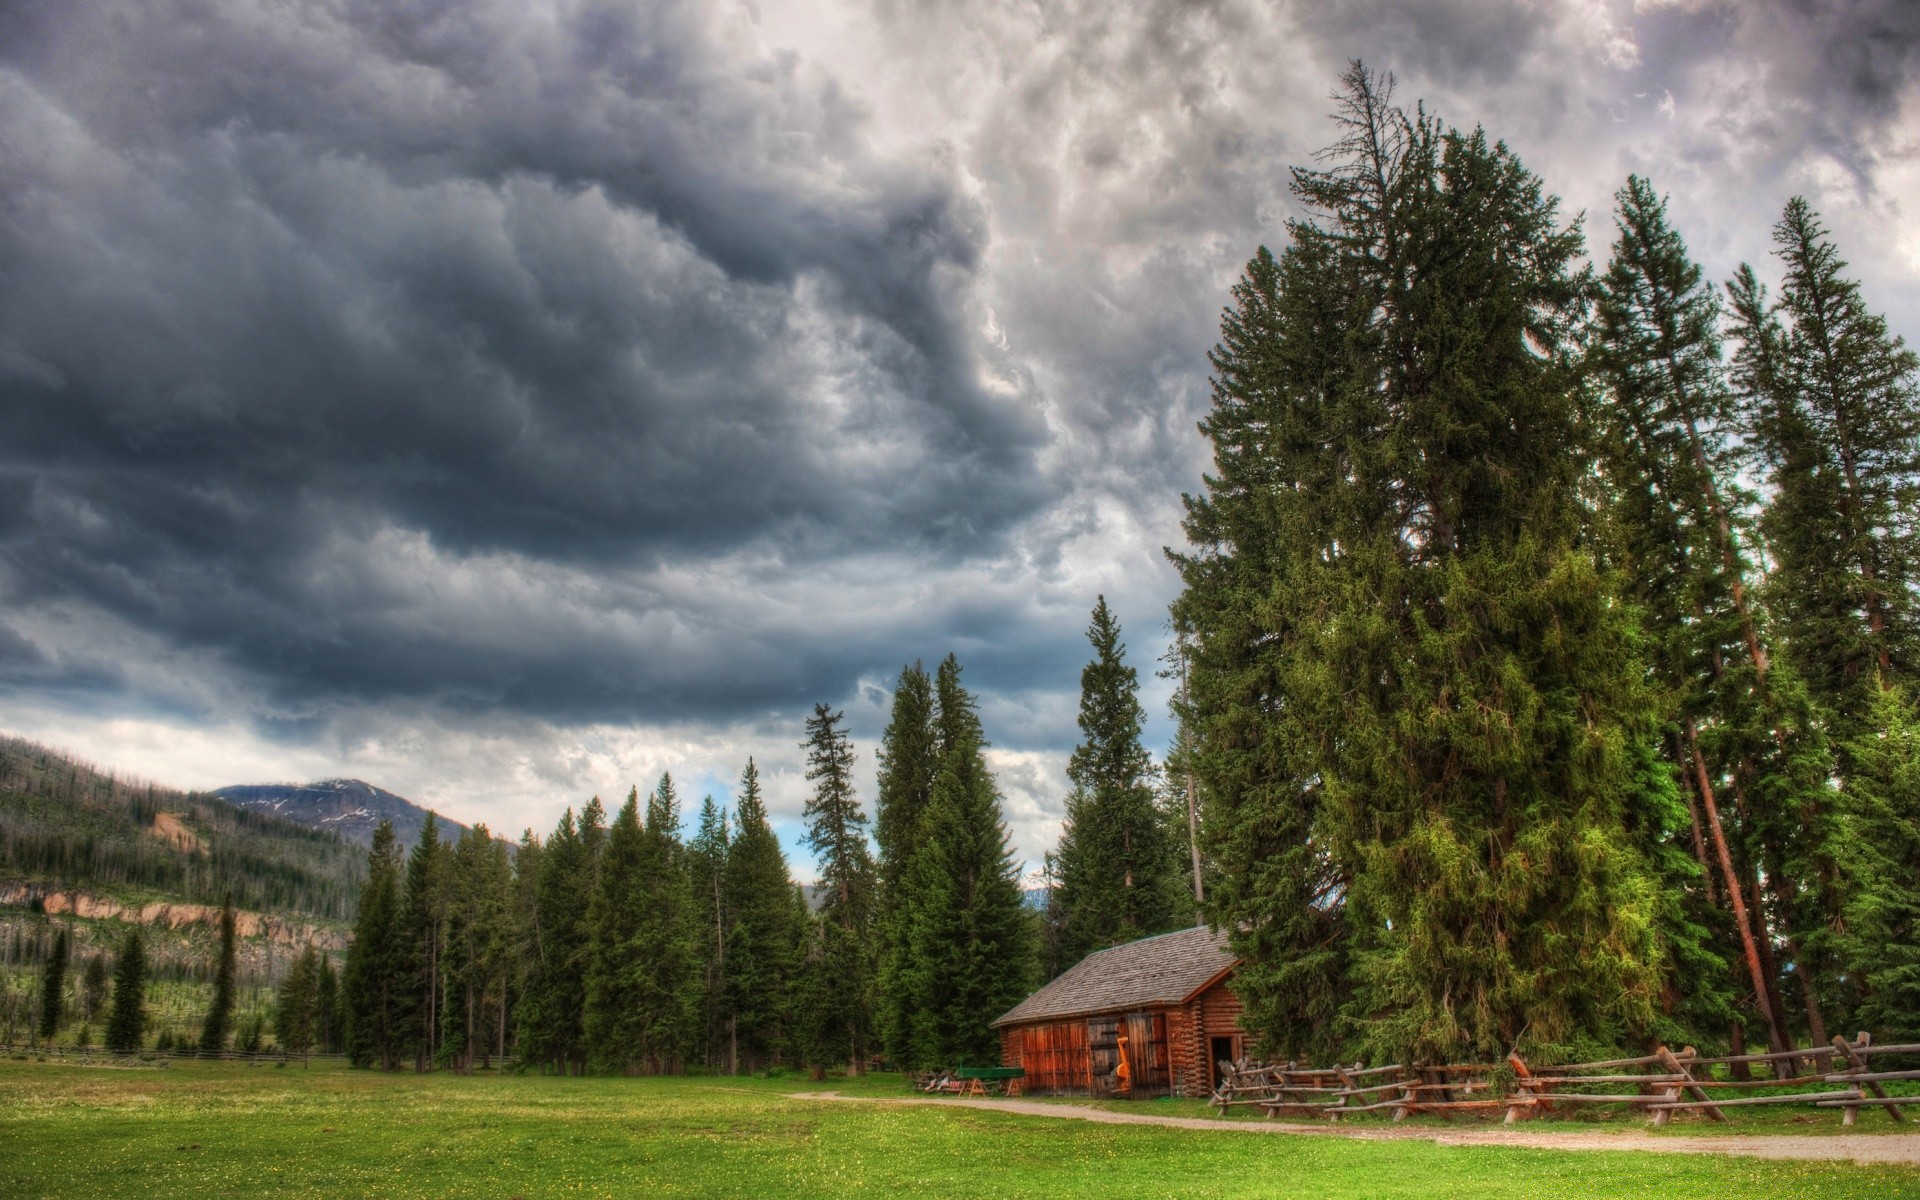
[[1147, 1053], [1103, 1056]]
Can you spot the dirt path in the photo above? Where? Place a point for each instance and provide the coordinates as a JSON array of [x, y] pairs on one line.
[[1901, 1149]]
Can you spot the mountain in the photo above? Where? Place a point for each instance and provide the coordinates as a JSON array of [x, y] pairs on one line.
[[347, 807], [72, 835]]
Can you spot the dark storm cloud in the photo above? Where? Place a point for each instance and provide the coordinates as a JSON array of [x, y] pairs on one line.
[[548, 289]]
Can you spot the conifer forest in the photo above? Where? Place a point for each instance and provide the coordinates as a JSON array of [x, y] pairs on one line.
[[1544, 674]]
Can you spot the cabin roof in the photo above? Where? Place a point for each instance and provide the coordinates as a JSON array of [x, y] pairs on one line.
[[1154, 972]]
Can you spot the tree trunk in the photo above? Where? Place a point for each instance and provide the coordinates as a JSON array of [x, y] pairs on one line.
[[1761, 991]]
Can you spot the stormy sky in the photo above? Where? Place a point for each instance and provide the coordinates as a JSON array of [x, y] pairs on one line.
[[504, 401]]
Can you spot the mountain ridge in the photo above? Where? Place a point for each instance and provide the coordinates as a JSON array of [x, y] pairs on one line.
[[351, 808]]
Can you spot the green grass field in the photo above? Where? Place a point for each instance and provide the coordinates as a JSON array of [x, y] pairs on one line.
[[226, 1129]]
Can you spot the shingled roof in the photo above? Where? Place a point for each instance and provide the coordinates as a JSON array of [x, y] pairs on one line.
[[1153, 972]]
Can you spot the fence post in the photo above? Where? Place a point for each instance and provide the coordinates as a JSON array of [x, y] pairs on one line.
[[1859, 1065]]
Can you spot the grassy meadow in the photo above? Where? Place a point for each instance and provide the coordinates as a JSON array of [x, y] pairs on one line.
[[227, 1129]]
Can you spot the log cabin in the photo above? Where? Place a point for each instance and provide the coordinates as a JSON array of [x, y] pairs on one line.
[[1148, 1018]]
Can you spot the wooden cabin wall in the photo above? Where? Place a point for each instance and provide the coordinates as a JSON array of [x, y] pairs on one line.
[[1079, 1055], [1054, 1055], [1191, 1029]]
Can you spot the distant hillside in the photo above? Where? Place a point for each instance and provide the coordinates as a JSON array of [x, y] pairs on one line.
[[70, 829], [347, 807]]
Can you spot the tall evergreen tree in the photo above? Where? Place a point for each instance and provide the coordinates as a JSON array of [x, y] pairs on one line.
[[559, 938], [1881, 944], [53, 987], [672, 979], [127, 1018], [93, 987], [641, 982], [328, 1033], [1452, 777], [836, 833], [706, 876], [909, 759], [213, 1031], [294, 1012], [614, 1013], [967, 936], [423, 924], [477, 882], [761, 937], [1742, 724], [376, 983], [1118, 876], [1835, 412]]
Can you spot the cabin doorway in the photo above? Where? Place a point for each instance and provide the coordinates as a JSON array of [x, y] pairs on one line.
[[1222, 1052]]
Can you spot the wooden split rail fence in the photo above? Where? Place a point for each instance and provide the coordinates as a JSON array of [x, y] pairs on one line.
[[1661, 1083]]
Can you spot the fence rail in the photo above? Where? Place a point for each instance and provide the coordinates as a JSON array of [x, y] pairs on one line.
[[1665, 1083]]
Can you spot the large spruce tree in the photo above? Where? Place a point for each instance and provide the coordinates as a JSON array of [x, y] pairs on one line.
[[842, 1003], [1831, 399], [909, 759], [1835, 414], [614, 1012], [127, 1011], [1881, 942], [376, 984], [967, 938], [213, 1031], [706, 878], [423, 925], [53, 987], [1741, 725], [762, 936], [295, 1011], [1451, 769], [552, 1006], [1118, 874]]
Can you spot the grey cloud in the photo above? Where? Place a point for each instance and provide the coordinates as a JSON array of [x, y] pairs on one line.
[[284, 277]]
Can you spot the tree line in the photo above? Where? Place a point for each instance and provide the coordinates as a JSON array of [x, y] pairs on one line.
[[1551, 629], [625, 944], [619, 945]]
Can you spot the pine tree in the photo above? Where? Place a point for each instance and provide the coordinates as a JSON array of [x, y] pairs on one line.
[[213, 1032], [377, 982], [423, 925], [1456, 700], [552, 1008], [968, 939], [706, 875], [327, 1031], [477, 881], [93, 986], [294, 1010], [53, 987], [1881, 944], [127, 1019], [668, 937], [641, 989], [1278, 885], [845, 962], [1742, 723], [761, 938], [909, 759], [613, 1017], [1116, 869], [1835, 413]]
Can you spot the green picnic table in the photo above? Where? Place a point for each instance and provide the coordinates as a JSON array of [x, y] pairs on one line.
[[979, 1079]]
